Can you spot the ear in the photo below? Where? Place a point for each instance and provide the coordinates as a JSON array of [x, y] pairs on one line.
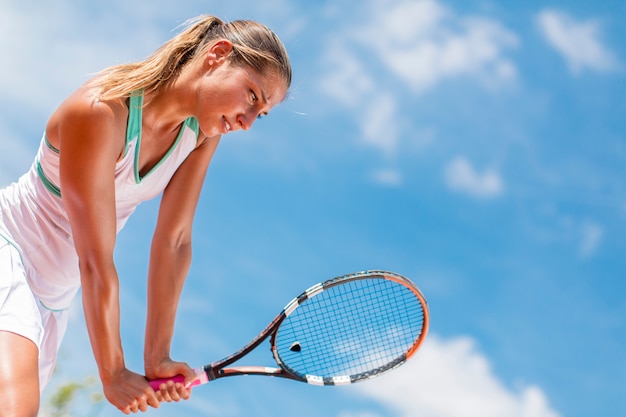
[[219, 52]]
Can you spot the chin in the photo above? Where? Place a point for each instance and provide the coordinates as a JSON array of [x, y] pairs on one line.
[[207, 133]]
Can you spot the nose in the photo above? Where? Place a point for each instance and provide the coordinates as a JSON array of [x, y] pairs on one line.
[[246, 120]]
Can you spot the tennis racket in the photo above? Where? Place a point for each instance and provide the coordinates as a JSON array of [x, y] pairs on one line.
[[344, 330]]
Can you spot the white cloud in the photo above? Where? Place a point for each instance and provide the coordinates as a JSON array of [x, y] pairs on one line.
[[380, 128], [591, 237], [461, 176], [387, 177], [452, 378], [555, 226], [423, 44], [427, 43], [348, 82], [577, 41], [54, 47], [15, 158]]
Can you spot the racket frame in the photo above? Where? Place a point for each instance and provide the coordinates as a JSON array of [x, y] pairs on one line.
[[220, 369]]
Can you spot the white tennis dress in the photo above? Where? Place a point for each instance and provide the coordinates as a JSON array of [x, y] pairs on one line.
[[39, 274]]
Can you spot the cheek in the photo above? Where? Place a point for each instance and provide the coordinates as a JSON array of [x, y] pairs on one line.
[[220, 102]]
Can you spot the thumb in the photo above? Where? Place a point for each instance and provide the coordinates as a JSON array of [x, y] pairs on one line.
[[194, 377]]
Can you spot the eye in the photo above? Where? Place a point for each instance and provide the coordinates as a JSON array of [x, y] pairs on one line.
[[254, 99]]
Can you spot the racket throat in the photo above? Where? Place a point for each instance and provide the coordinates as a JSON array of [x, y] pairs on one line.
[[210, 372]]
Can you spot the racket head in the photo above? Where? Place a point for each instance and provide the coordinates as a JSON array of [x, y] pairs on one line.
[[351, 328]]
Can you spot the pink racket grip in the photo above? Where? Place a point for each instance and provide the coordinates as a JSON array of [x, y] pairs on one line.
[[200, 378]]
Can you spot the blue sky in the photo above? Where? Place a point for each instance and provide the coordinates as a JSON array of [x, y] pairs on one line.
[[476, 147]]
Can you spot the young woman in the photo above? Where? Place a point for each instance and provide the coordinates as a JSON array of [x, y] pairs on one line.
[[131, 133]]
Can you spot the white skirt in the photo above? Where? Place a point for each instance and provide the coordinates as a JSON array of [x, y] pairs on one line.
[[21, 313]]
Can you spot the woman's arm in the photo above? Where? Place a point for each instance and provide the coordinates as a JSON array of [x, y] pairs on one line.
[[170, 259], [91, 137]]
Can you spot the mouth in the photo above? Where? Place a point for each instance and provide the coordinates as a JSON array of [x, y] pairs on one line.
[[227, 126]]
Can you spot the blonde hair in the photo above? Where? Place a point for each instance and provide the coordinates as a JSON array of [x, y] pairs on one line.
[[253, 44]]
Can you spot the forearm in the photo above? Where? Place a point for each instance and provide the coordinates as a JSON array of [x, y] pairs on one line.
[[170, 255], [102, 314], [169, 264]]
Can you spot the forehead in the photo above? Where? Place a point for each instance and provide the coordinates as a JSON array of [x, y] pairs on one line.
[[272, 87]]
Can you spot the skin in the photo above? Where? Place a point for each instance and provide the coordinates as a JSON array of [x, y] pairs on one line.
[[19, 376], [91, 135]]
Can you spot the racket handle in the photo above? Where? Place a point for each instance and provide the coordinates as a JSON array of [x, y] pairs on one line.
[[200, 378]]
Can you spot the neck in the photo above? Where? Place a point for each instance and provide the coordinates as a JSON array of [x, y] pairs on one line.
[[166, 108]]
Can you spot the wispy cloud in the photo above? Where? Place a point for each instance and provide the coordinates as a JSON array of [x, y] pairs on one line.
[[348, 82], [379, 127], [40, 72], [423, 45], [579, 42], [461, 176], [15, 158], [591, 238], [453, 378], [387, 177], [427, 43]]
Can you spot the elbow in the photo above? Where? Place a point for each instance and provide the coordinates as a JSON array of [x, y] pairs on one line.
[[177, 241], [98, 276], [176, 246]]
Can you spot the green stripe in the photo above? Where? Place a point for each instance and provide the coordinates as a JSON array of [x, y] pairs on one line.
[[51, 309], [46, 182], [19, 253], [10, 243], [134, 130], [192, 122], [49, 145], [135, 114]]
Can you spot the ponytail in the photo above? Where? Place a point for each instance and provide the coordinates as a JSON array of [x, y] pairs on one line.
[[253, 44]]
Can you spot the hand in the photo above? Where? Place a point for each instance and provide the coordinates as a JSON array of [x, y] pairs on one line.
[[129, 392], [171, 391]]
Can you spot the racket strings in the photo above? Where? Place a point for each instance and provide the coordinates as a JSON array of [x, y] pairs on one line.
[[356, 329]]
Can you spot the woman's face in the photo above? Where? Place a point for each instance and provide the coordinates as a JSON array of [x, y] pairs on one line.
[[231, 97]]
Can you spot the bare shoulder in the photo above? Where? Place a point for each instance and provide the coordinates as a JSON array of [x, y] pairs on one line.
[[82, 112]]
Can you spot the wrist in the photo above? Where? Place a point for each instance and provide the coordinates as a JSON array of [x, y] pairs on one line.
[[155, 353], [111, 374], [153, 362]]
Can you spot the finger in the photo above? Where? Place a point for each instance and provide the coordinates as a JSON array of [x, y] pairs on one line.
[[154, 399], [173, 390], [183, 392], [132, 407], [164, 393], [143, 403], [169, 392]]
